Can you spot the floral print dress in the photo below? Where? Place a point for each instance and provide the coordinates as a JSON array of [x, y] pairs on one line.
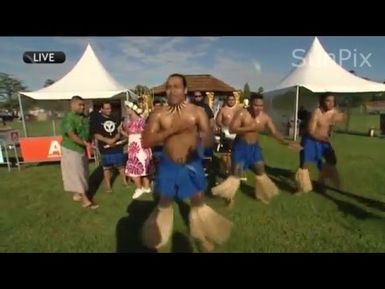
[[139, 159]]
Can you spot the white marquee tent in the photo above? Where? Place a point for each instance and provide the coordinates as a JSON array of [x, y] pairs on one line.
[[318, 72], [88, 79]]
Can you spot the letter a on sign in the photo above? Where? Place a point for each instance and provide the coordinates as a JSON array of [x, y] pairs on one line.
[[54, 149]]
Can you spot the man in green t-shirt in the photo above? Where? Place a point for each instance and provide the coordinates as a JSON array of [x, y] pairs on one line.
[[74, 161]]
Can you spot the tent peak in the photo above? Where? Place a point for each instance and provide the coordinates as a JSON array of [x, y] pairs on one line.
[[88, 78], [318, 71], [89, 47]]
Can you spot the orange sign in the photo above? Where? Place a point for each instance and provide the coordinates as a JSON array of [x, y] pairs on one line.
[[41, 149]]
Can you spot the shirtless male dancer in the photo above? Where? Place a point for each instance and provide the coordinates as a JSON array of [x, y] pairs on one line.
[[223, 120], [246, 154], [316, 145], [184, 130]]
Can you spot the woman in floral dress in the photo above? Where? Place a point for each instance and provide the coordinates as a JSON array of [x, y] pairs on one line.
[[139, 160]]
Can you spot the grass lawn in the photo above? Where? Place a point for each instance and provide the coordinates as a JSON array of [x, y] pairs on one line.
[[36, 215], [359, 123], [37, 128]]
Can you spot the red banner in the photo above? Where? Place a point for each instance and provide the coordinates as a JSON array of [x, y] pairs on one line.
[[41, 149]]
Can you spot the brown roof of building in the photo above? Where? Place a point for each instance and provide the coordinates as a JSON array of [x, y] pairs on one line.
[[201, 82]]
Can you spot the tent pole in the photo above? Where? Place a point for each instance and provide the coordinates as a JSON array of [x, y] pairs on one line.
[[7, 156], [53, 127], [22, 115], [296, 113]]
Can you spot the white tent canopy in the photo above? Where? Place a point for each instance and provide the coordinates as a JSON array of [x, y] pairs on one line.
[[318, 72], [88, 79]]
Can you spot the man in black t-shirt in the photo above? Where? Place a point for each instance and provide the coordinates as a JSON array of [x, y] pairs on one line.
[[199, 100], [105, 130], [94, 114], [304, 117]]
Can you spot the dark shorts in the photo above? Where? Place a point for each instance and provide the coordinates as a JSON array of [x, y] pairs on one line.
[[157, 152], [179, 180], [245, 155], [112, 160], [208, 153], [315, 151], [227, 145]]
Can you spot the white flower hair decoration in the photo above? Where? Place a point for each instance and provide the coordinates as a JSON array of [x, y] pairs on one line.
[[134, 107]]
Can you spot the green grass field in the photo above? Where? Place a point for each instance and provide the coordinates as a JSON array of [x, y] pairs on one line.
[[37, 128], [359, 123], [36, 215]]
